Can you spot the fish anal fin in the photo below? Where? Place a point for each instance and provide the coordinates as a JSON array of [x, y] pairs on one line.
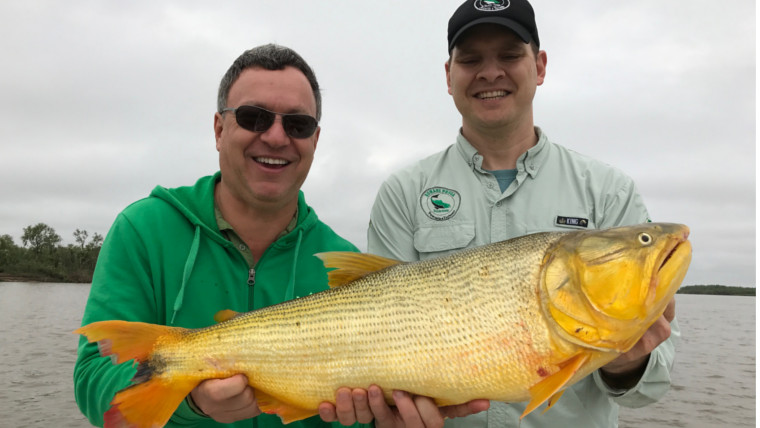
[[287, 412], [551, 388], [225, 315], [124, 340], [350, 266], [148, 404]]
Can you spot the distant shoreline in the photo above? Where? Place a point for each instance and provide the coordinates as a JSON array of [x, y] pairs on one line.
[[714, 290], [717, 290]]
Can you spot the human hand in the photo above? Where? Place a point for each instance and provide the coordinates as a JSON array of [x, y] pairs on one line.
[[359, 405], [226, 400], [631, 364]]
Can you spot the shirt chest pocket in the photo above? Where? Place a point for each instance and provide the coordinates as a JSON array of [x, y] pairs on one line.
[[439, 240]]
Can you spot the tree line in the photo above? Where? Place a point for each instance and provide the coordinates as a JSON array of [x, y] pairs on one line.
[[717, 290], [41, 257]]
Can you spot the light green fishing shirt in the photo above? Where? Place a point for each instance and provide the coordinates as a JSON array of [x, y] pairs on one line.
[[448, 202]]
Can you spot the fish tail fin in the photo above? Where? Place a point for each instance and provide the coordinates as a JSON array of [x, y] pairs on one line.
[[124, 340], [149, 404], [152, 399]]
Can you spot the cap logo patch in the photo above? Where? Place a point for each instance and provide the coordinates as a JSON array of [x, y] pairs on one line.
[[440, 203], [491, 5]]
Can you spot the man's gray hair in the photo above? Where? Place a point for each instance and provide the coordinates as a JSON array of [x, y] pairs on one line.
[[268, 57]]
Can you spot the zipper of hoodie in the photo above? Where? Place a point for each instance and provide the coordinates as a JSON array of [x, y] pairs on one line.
[[251, 277]]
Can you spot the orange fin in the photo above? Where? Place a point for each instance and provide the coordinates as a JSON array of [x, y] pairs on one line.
[[287, 412], [225, 315], [553, 400], [124, 340], [147, 405], [551, 388], [352, 266]]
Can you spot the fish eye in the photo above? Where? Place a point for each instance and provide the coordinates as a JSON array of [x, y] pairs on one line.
[[645, 238]]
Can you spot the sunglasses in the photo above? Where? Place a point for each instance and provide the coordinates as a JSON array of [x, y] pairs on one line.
[[259, 119]]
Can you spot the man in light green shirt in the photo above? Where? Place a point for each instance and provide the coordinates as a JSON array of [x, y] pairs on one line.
[[504, 178]]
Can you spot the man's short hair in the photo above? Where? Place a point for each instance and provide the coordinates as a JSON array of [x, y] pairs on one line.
[[268, 57]]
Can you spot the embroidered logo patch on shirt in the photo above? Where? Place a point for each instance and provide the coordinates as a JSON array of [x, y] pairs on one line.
[[440, 203], [571, 221]]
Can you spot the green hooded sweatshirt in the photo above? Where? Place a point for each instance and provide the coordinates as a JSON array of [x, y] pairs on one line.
[[165, 262]]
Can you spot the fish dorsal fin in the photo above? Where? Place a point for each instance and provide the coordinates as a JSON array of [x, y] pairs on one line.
[[351, 266], [225, 315], [551, 387]]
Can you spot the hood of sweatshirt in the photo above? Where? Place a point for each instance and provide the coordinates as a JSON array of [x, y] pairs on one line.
[[196, 203]]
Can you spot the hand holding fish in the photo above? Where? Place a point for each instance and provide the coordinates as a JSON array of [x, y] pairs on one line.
[[226, 400], [626, 370], [364, 406]]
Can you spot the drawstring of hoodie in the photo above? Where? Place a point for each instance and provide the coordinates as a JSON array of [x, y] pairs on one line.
[[193, 255], [290, 291], [189, 264]]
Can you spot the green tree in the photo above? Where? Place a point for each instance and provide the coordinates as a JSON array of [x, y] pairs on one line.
[[80, 236], [9, 253], [40, 237], [96, 241]]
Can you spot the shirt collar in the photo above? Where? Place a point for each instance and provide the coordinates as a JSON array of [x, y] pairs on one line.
[[530, 161], [227, 229]]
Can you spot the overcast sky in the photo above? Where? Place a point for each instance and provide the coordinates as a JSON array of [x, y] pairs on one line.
[[103, 100]]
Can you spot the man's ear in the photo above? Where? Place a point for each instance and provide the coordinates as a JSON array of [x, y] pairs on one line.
[[447, 67], [218, 128], [540, 67]]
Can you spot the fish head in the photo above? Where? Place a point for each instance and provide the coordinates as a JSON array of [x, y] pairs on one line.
[[604, 288]]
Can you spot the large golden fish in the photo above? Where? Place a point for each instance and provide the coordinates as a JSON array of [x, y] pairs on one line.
[[518, 320]]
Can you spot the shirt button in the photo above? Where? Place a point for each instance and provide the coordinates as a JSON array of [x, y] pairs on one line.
[[243, 247], [498, 204]]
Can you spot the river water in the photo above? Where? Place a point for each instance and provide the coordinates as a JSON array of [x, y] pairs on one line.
[[713, 382]]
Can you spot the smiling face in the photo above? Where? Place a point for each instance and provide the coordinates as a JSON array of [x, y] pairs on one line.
[[492, 76], [265, 169]]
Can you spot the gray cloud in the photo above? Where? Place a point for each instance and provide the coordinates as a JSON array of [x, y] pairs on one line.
[[104, 100]]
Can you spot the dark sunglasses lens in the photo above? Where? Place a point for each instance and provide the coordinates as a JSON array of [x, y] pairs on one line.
[[299, 125], [253, 118]]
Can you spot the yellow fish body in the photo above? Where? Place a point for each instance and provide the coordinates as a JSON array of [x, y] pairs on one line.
[[518, 320]]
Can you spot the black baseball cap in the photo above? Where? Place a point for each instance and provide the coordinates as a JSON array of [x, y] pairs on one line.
[[517, 15]]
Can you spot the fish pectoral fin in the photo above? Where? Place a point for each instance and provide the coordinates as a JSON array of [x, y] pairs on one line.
[[551, 388], [225, 315], [553, 400], [351, 266], [287, 412]]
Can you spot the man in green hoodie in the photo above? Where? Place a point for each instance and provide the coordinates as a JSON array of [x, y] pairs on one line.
[[240, 239]]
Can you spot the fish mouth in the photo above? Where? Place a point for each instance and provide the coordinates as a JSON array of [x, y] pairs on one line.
[[678, 244], [672, 268]]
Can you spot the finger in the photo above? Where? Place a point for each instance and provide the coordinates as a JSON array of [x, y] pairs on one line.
[[361, 406], [327, 412], [233, 413], [429, 412], [222, 389], [384, 416], [407, 409], [466, 409], [670, 310], [344, 407]]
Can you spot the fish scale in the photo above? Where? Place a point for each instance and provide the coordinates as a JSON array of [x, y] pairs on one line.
[[510, 321]]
